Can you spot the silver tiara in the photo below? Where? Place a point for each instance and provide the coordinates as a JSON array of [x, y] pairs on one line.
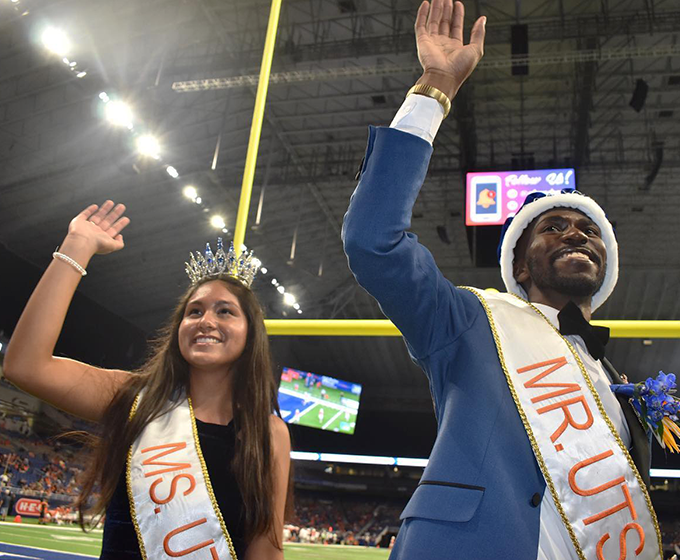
[[243, 268]]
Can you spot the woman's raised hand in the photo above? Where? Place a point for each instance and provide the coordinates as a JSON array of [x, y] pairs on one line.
[[100, 227], [441, 50]]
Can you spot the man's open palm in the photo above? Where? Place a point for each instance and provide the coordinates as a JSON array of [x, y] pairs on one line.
[[439, 37]]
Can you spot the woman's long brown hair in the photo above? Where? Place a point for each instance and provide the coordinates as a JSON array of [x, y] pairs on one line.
[[164, 376]]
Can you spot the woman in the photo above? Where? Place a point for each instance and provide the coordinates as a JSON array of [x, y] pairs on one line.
[[192, 457]]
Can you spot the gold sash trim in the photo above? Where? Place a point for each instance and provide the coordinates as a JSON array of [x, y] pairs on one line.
[[204, 470], [530, 434]]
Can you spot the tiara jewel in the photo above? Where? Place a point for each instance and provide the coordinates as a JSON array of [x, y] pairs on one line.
[[243, 267]]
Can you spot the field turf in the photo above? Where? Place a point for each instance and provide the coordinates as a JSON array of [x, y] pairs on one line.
[[333, 395], [30, 541], [302, 405]]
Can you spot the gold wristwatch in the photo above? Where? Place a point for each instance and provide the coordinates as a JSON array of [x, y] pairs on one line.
[[434, 93]]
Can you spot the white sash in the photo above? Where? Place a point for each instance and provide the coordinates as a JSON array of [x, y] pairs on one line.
[[596, 487], [172, 504]]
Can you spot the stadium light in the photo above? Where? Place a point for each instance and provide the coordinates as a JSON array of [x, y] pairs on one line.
[[199, 200], [299, 311], [81, 74], [275, 282], [296, 306], [289, 299], [147, 145], [304, 456], [281, 289], [263, 270], [190, 192], [217, 222], [664, 473], [118, 113], [172, 171], [104, 97], [413, 461], [225, 230], [56, 41], [357, 459]]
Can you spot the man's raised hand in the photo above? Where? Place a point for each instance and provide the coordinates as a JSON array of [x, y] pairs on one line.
[[446, 60]]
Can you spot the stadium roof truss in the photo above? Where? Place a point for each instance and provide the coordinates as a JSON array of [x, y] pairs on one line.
[[340, 65]]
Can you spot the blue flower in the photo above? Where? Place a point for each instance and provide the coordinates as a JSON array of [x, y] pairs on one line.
[[653, 386], [671, 407], [655, 415], [654, 402], [666, 381]]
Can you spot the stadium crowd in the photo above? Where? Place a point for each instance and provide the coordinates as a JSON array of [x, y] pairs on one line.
[[39, 467], [48, 469], [348, 520], [670, 536]]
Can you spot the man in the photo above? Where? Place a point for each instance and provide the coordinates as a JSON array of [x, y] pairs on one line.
[[42, 510], [5, 499], [534, 456]]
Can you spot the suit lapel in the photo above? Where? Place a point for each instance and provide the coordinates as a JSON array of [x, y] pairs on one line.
[[640, 450]]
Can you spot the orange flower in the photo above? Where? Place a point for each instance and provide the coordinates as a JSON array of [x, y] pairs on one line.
[[670, 428]]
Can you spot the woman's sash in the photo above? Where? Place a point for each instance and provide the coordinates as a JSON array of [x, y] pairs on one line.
[[596, 487], [172, 504]]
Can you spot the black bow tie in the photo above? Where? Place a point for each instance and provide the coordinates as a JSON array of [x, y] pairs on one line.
[[572, 322]]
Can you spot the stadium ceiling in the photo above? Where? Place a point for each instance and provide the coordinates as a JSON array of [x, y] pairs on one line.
[[186, 69]]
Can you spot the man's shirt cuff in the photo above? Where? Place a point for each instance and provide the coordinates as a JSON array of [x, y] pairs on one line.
[[419, 115]]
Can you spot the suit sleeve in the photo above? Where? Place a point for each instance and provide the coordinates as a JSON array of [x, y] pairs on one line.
[[387, 260]]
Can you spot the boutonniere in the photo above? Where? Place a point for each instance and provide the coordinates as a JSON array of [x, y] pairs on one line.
[[658, 409]]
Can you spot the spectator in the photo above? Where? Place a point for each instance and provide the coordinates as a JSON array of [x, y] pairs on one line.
[[5, 502]]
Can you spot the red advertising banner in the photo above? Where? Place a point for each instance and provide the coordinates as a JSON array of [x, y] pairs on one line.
[[28, 506]]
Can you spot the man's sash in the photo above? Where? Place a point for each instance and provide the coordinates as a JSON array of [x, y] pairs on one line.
[[172, 504], [596, 487]]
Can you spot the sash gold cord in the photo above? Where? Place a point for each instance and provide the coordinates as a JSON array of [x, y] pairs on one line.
[[609, 423], [532, 438], [206, 477], [131, 498], [208, 485]]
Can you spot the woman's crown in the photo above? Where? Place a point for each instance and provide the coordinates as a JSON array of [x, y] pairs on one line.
[[243, 267]]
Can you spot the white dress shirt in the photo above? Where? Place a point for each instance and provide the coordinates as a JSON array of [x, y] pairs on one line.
[[422, 116]]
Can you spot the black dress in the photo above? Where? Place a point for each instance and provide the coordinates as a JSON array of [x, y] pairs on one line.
[[217, 445]]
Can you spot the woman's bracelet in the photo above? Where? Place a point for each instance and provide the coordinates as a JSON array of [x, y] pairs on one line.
[[69, 260]]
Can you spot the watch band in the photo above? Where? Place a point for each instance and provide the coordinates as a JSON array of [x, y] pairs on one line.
[[434, 93]]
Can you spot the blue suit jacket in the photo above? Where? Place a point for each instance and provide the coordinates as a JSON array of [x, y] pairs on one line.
[[480, 495]]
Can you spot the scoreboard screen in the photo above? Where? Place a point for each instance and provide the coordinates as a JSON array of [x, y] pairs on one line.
[[319, 401], [491, 197]]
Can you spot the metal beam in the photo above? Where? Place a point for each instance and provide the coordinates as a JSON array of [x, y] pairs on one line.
[[580, 56], [384, 327], [583, 104]]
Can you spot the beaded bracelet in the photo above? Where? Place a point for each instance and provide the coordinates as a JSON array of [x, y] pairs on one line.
[[69, 260]]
